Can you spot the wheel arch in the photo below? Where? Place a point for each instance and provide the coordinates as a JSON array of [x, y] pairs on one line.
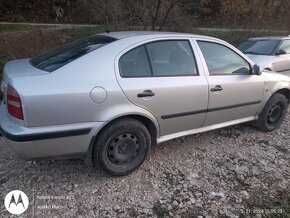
[[285, 92], [147, 122]]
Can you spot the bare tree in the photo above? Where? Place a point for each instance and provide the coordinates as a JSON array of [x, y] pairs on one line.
[[151, 14]]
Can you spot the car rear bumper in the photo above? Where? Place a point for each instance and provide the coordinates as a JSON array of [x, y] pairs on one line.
[[49, 141]]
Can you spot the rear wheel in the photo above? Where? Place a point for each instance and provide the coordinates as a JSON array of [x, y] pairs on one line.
[[273, 113], [122, 147]]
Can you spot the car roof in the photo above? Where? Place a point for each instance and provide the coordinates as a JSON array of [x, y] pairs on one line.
[[271, 37], [126, 34]]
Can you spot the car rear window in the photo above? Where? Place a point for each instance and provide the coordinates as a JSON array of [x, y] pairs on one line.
[[259, 47], [59, 57]]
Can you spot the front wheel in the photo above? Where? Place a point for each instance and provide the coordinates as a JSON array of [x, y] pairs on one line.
[[273, 113], [122, 147]]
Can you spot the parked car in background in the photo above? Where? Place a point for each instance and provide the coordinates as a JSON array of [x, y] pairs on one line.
[[271, 53], [110, 97]]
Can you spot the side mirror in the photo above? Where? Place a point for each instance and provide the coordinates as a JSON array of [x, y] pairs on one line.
[[256, 70], [281, 52]]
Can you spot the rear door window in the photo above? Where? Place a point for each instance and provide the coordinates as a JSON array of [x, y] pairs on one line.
[[59, 57], [135, 63], [157, 59], [172, 58]]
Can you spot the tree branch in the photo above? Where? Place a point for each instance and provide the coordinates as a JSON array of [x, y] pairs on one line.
[[171, 6], [154, 18]]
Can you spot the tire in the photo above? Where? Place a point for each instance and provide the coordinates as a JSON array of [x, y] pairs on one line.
[[122, 147], [273, 113]]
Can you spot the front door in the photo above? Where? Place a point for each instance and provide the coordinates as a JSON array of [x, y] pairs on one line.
[[234, 93]]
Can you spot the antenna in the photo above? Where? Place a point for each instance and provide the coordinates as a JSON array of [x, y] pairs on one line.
[[105, 28], [107, 31]]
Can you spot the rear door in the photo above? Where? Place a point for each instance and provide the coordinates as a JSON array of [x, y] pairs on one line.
[[234, 93], [163, 77]]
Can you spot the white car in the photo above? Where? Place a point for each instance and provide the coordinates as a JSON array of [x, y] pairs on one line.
[[271, 53]]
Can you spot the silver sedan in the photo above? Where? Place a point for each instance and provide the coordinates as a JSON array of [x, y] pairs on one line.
[[271, 53], [109, 98]]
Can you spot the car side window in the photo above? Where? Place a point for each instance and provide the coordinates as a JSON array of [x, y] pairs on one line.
[[285, 46], [135, 63], [172, 58], [221, 60]]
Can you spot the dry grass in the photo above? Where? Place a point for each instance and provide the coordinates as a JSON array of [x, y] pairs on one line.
[[277, 206]]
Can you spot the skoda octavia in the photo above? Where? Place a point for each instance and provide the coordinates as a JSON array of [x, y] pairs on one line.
[[109, 98]]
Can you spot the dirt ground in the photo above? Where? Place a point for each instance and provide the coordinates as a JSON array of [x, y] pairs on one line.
[[232, 172], [25, 44]]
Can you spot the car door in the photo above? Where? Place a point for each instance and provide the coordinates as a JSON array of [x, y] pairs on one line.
[[234, 93], [163, 77], [282, 60]]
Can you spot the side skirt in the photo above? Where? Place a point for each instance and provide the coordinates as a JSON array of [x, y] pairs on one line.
[[205, 129]]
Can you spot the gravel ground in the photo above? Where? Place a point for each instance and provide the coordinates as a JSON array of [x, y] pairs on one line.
[[230, 172]]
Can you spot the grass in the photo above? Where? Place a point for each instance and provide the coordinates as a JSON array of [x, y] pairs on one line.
[[13, 27], [231, 36], [81, 32], [159, 210], [279, 206]]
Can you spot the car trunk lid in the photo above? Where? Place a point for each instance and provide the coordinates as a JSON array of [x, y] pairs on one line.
[[18, 68]]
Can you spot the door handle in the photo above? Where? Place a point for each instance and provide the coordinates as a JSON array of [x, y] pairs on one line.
[[146, 93], [218, 88]]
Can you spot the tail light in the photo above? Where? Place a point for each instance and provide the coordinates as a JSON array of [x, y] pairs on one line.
[[14, 103]]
